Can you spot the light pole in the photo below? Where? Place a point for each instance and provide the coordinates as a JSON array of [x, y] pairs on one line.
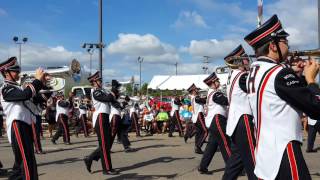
[[140, 60], [16, 40], [101, 45], [176, 64], [205, 64], [90, 49]]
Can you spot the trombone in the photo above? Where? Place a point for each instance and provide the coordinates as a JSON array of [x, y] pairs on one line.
[[292, 54]]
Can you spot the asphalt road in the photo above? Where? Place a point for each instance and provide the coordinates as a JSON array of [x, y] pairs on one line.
[[157, 157]]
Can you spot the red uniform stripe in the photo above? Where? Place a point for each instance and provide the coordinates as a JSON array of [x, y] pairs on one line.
[[203, 127], [64, 127], [248, 129], [232, 85], [84, 124], [208, 102], [103, 143], [23, 155], [293, 163], [223, 137], [35, 139], [260, 95]]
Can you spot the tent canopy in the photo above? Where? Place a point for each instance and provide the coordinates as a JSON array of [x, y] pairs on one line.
[[182, 82]]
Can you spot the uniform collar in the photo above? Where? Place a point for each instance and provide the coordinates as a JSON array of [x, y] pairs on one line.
[[267, 59], [10, 82]]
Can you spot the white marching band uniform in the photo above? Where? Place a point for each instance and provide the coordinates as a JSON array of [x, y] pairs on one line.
[[100, 107], [196, 109], [275, 117], [237, 106], [213, 108]]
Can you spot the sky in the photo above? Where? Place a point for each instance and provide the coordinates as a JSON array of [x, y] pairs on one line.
[[163, 32]]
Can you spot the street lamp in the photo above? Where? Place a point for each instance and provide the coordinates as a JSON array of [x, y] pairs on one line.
[[176, 64], [206, 64], [16, 40], [90, 49], [140, 60]]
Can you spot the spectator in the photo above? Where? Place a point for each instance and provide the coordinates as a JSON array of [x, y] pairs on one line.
[[161, 121]]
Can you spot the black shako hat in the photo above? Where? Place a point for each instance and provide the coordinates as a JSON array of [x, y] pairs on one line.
[[10, 64], [268, 31], [239, 51], [210, 79], [94, 77], [192, 87], [115, 84]]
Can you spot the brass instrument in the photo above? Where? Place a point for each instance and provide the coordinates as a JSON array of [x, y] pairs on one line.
[[313, 52], [55, 78], [230, 62], [293, 54]]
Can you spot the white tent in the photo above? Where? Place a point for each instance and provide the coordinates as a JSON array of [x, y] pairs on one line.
[[156, 81], [182, 82]]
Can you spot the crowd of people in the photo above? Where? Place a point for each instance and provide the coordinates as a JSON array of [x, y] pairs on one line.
[[256, 124]]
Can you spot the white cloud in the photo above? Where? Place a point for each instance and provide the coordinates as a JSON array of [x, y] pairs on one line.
[[188, 18], [35, 55], [3, 12], [299, 19], [214, 48], [148, 46]]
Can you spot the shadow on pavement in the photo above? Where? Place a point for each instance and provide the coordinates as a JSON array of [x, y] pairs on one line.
[[146, 139], [63, 161], [133, 176], [166, 159], [71, 148]]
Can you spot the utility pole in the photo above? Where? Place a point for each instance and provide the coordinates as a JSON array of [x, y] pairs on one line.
[[176, 64], [100, 39], [205, 66]]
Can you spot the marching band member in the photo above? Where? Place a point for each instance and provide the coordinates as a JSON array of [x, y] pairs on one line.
[[62, 107], [201, 131], [216, 121], [278, 97], [313, 128], [175, 117], [1, 120], [83, 119], [19, 118], [101, 101], [115, 111], [240, 125]]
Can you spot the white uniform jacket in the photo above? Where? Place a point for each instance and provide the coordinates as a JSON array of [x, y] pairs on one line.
[[238, 100], [216, 104], [196, 108], [99, 106], [13, 99], [61, 109], [275, 95]]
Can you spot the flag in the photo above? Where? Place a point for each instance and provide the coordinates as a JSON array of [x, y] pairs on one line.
[[260, 12]]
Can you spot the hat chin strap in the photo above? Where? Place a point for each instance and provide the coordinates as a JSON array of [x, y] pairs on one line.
[[276, 41]]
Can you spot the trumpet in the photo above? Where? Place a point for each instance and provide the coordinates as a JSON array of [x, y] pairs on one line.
[[313, 52], [293, 54]]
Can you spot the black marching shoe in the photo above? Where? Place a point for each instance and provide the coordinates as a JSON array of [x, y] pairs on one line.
[[170, 135], [198, 150], [88, 163], [129, 149], [1, 166], [311, 150], [185, 139], [111, 172], [53, 141], [203, 171]]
